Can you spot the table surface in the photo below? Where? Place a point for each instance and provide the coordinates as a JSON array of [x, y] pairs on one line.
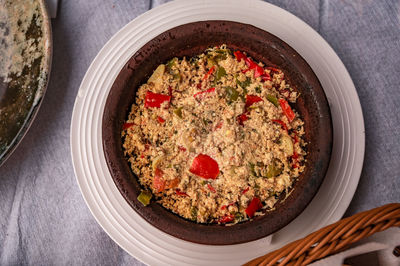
[[43, 217]]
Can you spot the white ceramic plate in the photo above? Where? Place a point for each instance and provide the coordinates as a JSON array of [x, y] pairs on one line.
[[120, 221]]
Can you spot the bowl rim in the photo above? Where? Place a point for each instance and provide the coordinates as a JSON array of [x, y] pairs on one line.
[[116, 167]]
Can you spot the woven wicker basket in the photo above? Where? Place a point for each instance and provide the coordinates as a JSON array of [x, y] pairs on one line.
[[333, 238]]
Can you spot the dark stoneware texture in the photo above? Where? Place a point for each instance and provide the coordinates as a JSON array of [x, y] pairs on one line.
[[189, 40]]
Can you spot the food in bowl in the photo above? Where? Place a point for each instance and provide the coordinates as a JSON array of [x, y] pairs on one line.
[[214, 137]]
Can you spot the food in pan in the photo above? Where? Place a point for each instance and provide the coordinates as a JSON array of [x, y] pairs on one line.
[[214, 138]]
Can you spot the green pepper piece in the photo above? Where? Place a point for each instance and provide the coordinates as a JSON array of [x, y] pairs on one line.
[[174, 72], [231, 94], [219, 57], [273, 170], [220, 73], [243, 84], [223, 51], [273, 100], [178, 112], [238, 217], [194, 60], [252, 170], [177, 76], [144, 197], [171, 63], [211, 62], [193, 213], [258, 89]]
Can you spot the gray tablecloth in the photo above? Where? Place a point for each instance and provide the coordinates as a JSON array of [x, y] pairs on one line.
[[43, 218]]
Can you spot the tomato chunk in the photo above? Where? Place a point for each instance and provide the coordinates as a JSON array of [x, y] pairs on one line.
[[239, 55], [280, 122], [250, 63], [226, 219], [181, 193], [155, 99], [273, 69], [241, 118], [254, 206], [160, 119], [127, 125], [205, 167], [158, 181], [287, 110], [211, 188], [250, 99], [258, 71], [218, 126], [212, 69], [265, 76], [202, 93], [181, 148]]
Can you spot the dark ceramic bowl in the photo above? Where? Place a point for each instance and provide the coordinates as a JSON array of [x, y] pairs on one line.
[[192, 39]]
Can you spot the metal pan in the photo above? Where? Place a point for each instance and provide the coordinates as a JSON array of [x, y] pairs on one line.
[[25, 60]]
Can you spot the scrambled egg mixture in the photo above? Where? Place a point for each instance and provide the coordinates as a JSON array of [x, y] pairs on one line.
[[213, 138]]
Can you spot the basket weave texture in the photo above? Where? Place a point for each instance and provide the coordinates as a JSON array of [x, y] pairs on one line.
[[333, 238]]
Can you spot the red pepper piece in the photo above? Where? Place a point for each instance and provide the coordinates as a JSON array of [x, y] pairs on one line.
[[205, 167], [244, 191], [211, 188], [158, 181], [226, 206], [250, 63], [239, 55], [258, 71], [296, 138], [172, 183], [212, 69], [218, 126], [281, 123], [160, 119], [146, 148], [181, 148], [127, 125], [287, 110], [273, 69], [265, 76], [180, 193], [295, 158], [241, 118], [155, 99], [170, 91], [226, 219], [250, 99], [254, 206], [199, 94]]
